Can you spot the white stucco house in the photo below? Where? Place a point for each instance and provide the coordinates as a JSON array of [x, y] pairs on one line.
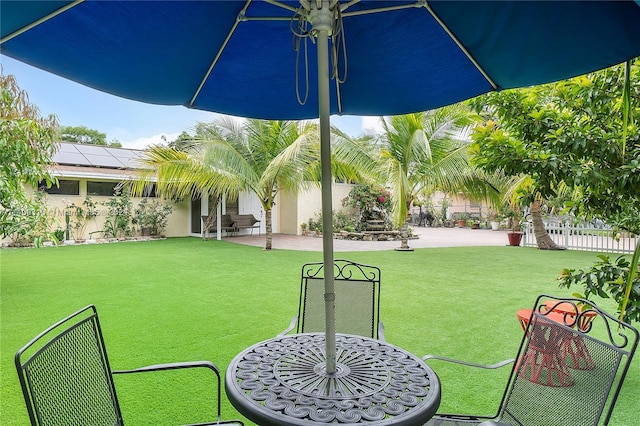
[[96, 171]]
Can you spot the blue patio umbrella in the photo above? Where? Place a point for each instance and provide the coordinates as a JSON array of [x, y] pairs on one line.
[[313, 58]]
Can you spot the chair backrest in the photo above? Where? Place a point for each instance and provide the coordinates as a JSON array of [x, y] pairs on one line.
[[571, 365], [65, 374], [357, 300], [225, 221]]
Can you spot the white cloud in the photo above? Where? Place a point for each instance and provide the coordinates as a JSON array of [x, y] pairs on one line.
[[372, 126], [144, 142]]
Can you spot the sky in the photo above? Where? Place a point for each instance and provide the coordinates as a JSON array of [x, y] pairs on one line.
[[133, 124]]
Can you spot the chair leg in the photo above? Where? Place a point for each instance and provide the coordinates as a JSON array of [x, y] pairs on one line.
[[576, 353], [545, 367]]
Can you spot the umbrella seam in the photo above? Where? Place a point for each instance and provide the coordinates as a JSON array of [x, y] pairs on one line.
[[40, 21], [461, 46]]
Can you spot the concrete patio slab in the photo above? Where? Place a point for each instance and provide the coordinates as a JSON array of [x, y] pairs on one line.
[[428, 237]]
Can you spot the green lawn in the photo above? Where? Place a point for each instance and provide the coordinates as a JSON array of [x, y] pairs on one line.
[[188, 299]]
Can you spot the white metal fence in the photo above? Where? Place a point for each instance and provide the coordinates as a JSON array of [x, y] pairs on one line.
[[583, 237]]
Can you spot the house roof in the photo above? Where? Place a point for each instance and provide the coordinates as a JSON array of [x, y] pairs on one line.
[[98, 156], [96, 162], [66, 171]]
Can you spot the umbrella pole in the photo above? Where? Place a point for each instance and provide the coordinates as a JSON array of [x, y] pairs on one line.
[[327, 208]]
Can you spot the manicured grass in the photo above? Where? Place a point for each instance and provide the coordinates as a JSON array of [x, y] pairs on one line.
[[187, 299]]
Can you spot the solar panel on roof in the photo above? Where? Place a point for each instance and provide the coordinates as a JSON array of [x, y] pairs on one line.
[[74, 158], [125, 154], [92, 149], [104, 160], [67, 147], [96, 156]]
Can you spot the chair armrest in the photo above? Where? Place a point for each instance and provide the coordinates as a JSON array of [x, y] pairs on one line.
[[481, 419], [381, 331], [292, 325], [470, 364], [173, 366], [182, 365]]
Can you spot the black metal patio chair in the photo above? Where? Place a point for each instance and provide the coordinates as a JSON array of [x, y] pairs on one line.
[[66, 378], [357, 300], [570, 367]]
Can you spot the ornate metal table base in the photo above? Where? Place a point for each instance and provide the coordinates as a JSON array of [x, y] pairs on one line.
[[283, 381]]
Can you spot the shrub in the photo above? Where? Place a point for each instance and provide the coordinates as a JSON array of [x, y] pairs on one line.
[[371, 203], [342, 221], [30, 222], [606, 279], [118, 219], [152, 214], [81, 216]]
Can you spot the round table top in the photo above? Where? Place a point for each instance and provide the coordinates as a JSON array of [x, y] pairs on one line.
[[283, 381]]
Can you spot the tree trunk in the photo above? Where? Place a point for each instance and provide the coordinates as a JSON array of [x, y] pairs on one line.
[[209, 222], [268, 232], [543, 239]]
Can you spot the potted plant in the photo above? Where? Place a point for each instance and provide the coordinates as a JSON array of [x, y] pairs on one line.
[[495, 217], [462, 219], [515, 234]]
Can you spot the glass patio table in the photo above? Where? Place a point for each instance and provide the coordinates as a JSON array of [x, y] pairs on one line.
[[283, 381]]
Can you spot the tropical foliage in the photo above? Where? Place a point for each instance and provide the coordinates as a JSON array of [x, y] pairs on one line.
[[371, 203], [607, 278], [580, 134], [80, 215], [428, 151], [27, 144], [341, 221], [570, 133], [151, 214], [84, 135], [227, 157], [118, 219]]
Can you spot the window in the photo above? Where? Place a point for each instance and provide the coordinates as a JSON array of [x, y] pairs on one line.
[[101, 188], [66, 187], [232, 206]]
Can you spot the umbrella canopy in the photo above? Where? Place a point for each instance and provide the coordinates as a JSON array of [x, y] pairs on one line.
[[238, 57], [259, 58]]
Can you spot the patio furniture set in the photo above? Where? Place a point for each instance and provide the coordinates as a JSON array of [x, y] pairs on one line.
[[569, 369]]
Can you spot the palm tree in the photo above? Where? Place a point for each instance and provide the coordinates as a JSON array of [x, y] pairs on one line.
[[424, 152], [227, 157]]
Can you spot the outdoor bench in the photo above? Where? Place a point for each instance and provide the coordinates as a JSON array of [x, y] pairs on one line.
[[226, 223], [245, 221]]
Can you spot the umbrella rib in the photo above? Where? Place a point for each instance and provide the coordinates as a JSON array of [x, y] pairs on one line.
[[282, 5], [464, 49], [40, 21], [239, 18], [424, 3], [417, 4]]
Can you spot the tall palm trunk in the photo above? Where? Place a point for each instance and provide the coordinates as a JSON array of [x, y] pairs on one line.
[[543, 239], [268, 231]]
